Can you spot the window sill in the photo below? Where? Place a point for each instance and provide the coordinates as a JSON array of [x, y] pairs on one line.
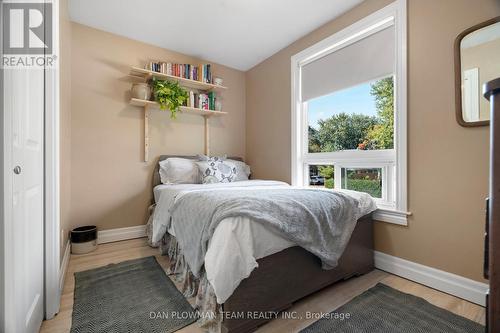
[[391, 216]]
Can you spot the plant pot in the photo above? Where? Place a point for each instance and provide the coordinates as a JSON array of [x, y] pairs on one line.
[[141, 91]]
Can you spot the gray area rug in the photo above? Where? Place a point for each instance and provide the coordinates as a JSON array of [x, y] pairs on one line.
[[382, 309], [131, 296]]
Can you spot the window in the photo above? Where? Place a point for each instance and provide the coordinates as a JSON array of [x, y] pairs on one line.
[[321, 176], [360, 117], [363, 180], [349, 112]]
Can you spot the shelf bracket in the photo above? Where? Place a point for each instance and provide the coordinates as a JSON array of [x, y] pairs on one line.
[[146, 133], [207, 136], [147, 113]]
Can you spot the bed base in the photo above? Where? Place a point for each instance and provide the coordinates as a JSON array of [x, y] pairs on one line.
[[287, 276]]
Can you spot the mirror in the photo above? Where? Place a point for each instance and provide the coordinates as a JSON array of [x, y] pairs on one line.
[[477, 60]]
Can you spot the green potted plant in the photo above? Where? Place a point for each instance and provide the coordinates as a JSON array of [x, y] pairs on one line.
[[170, 95]]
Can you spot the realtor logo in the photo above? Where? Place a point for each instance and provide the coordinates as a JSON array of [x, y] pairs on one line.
[[27, 28], [27, 34]]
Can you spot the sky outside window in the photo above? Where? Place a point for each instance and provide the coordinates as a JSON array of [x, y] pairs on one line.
[[351, 100]]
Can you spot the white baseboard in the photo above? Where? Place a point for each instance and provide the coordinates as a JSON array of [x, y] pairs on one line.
[[456, 285], [64, 265], [115, 235]]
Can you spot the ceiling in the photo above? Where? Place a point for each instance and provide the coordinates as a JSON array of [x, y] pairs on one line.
[[236, 33]]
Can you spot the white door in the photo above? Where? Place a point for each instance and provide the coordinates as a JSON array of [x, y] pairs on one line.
[[24, 196], [471, 94]]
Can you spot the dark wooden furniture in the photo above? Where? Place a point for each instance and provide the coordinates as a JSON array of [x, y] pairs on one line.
[[492, 256], [287, 276], [458, 74]]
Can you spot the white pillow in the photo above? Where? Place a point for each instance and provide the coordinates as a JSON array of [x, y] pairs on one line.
[[176, 170], [242, 170]]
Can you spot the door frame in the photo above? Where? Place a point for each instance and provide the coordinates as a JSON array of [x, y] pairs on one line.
[[52, 181], [52, 292], [2, 184]]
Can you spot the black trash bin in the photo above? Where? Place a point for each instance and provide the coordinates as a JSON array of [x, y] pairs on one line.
[[84, 239]]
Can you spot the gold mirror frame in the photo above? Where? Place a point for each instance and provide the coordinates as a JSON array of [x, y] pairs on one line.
[[458, 74]]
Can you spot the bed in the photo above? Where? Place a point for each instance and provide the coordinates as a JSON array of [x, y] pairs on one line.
[[281, 272]]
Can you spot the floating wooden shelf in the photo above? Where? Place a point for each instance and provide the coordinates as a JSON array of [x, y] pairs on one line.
[[146, 74], [183, 109]]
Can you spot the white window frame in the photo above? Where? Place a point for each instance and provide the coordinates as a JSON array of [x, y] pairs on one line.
[[394, 209]]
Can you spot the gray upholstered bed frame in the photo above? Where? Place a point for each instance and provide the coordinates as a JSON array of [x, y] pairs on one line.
[[287, 276]]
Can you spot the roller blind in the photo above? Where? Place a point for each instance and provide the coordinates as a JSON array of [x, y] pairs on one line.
[[363, 61]]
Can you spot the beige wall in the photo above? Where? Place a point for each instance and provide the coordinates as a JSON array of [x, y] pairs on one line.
[[65, 122], [485, 57], [110, 183], [448, 164], [105, 182]]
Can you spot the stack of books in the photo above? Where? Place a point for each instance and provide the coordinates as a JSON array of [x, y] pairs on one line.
[[202, 101], [201, 73]]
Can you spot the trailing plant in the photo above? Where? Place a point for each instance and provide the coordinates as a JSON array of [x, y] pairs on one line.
[[170, 95]]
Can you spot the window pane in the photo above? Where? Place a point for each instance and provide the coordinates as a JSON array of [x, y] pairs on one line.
[[321, 176], [363, 180], [360, 117]]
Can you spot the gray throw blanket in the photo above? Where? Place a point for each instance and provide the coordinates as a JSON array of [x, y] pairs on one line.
[[319, 221]]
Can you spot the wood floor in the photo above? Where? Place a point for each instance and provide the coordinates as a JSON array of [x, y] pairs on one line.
[[323, 301]]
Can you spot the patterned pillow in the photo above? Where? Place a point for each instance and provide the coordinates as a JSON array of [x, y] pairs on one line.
[[242, 170], [216, 170]]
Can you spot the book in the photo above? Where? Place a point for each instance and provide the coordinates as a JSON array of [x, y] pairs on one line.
[[191, 99], [202, 73], [211, 100]]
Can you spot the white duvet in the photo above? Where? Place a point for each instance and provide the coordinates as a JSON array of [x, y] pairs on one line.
[[238, 242]]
